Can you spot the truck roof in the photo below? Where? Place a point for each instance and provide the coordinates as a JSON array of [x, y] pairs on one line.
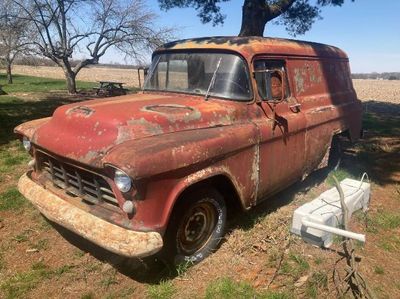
[[251, 46]]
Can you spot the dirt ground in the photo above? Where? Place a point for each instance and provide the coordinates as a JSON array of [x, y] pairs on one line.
[[258, 256]]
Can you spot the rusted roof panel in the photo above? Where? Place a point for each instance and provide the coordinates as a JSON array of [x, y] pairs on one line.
[[251, 46]]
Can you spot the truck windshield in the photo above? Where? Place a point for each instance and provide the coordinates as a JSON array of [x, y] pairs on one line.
[[209, 74]]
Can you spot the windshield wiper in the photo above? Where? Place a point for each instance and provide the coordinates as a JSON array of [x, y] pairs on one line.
[[212, 80]]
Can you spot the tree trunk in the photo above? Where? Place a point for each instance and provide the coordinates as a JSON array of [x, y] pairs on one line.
[[71, 82], [256, 14], [9, 73], [254, 18]]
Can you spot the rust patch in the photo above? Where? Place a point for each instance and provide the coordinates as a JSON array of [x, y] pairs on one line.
[[174, 112], [255, 172], [250, 46], [299, 74]]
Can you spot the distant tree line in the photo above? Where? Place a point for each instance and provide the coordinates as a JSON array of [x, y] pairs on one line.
[[40, 61], [377, 76]]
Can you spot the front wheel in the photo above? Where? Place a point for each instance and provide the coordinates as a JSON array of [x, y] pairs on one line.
[[196, 228]]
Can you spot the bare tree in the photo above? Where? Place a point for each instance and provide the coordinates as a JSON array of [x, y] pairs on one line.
[[90, 28], [15, 35]]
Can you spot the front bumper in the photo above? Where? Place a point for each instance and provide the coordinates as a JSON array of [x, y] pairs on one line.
[[107, 235]]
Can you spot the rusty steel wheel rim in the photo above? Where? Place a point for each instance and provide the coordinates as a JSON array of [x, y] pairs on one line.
[[196, 228]]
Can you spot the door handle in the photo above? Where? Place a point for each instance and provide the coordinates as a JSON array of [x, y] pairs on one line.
[[295, 107]]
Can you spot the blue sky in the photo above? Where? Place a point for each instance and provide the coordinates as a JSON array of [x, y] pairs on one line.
[[367, 30]]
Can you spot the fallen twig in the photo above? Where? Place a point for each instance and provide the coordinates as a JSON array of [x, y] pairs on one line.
[[354, 280], [278, 267]]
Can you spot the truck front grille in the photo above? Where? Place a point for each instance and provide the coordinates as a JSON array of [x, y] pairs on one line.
[[89, 186]]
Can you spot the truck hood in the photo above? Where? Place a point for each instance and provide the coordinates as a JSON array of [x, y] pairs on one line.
[[86, 131]]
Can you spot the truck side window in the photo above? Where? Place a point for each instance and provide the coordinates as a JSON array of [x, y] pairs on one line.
[[270, 75]]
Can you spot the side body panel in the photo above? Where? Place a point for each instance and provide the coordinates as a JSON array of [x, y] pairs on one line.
[[324, 89], [282, 147]]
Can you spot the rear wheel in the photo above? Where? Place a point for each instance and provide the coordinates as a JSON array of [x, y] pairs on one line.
[[196, 227]]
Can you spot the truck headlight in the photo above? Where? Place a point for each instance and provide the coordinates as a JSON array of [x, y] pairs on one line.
[[122, 181], [26, 143]]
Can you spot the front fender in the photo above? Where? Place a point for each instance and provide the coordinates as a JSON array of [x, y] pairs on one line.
[[164, 191], [29, 128], [200, 176], [151, 156]]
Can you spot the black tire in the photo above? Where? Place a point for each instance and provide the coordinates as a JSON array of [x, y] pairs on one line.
[[196, 227], [335, 153]]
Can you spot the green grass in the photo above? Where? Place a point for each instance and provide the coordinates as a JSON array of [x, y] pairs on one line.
[[63, 269], [384, 126], [182, 268], [42, 244], [92, 266], [295, 266], [317, 281], [318, 260], [78, 253], [22, 83], [164, 290], [366, 220], [125, 293], [11, 157], [2, 263], [89, 295], [340, 174], [379, 270], [14, 111], [300, 261], [390, 243], [20, 284], [11, 200], [382, 220], [386, 220], [226, 288], [22, 237], [109, 280]]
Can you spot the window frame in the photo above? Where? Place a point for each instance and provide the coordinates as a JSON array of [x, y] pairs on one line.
[[210, 51], [284, 79]]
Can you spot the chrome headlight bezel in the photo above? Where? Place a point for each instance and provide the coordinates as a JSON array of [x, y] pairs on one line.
[[26, 143], [122, 181]]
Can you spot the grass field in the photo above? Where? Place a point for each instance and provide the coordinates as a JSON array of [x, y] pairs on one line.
[[39, 261], [90, 74]]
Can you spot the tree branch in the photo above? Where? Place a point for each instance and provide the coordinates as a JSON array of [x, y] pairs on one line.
[[277, 8]]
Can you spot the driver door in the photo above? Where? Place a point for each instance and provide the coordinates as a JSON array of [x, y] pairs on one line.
[[281, 127]]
